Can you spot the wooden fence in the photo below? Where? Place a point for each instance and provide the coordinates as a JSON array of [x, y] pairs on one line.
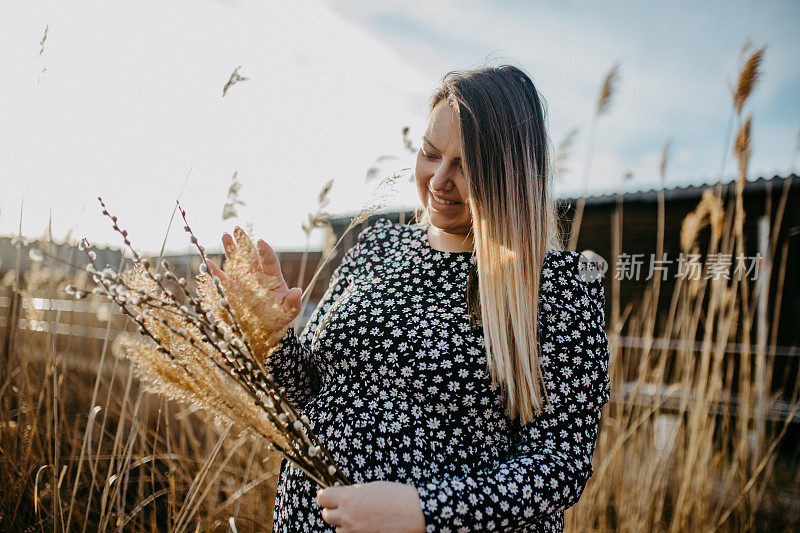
[[79, 325]]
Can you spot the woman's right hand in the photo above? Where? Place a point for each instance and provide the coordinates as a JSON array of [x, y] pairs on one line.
[[280, 305]]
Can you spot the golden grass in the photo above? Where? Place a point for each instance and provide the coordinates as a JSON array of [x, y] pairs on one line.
[[84, 447]]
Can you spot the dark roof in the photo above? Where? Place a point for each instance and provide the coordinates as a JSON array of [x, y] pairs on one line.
[[690, 191], [670, 194]]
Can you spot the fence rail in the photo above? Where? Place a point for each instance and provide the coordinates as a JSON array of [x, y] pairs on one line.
[[100, 320]]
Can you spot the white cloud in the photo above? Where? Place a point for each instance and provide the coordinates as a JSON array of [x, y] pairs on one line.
[[678, 60], [131, 100]]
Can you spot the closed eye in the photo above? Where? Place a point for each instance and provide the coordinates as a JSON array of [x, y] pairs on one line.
[[426, 155]]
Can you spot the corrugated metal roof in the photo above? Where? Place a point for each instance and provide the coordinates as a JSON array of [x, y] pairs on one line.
[[691, 191], [678, 192]]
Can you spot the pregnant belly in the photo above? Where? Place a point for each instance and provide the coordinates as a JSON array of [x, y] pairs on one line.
[[373, 436]]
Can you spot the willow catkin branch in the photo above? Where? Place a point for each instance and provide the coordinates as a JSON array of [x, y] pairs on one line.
[[197, 358]]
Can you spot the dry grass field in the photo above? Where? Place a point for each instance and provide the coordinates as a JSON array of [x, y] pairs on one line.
[[694, 438]]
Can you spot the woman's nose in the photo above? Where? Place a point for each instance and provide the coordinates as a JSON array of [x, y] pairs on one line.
[[440, 181]]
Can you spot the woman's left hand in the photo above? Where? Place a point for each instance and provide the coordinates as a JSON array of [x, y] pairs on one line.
[[375, 506]]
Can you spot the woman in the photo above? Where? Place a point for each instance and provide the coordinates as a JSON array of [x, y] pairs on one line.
[[455, 368]]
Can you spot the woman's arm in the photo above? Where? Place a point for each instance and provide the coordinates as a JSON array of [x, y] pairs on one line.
[[293, 364], [552, 458]]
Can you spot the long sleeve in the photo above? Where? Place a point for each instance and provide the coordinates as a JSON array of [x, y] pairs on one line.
[[551, 458], [293, 364]]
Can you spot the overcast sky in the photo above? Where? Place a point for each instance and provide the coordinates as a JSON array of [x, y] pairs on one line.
[[125, 100]]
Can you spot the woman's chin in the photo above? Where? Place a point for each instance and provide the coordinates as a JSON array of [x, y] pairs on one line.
[[445, 222]]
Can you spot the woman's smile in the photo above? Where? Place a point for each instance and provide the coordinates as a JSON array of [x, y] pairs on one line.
[[441, 182], [441, 202]]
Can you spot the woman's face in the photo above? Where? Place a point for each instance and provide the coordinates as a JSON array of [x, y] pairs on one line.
[[441, 184]]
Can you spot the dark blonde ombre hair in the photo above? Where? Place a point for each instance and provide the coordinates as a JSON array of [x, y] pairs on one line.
[[506, 164]]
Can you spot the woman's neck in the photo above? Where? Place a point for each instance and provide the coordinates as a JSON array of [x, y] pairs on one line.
[[449, 242]]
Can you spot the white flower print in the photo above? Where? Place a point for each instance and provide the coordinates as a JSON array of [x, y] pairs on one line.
[[395, 383]]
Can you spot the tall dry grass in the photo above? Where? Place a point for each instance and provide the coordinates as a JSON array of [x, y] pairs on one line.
[[671, 456], [84, 448], [685, 444]]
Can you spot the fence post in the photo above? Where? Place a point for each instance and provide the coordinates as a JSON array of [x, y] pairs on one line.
[[763, 269]]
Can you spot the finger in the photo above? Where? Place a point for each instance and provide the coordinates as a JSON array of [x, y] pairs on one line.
[[332, 516], [228, 245], [217, 271], [292, 299], [246, 250], [328, 497], [269, 259]]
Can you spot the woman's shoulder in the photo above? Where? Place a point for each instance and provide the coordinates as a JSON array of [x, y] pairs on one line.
[[384, 233], [377, 233], [378, 238], [571, 281]]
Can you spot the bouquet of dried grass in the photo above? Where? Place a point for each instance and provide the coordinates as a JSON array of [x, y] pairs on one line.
[[207, 348]]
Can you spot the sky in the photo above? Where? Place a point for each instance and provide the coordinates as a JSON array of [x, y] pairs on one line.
[[124, 101]]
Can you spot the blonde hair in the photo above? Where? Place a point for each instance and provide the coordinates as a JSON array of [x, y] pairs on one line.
[[514, 221]]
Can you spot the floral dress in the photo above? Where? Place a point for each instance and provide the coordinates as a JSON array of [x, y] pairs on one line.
[[395, 382]]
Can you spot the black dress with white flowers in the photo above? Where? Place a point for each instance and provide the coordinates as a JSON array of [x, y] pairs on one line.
[[395, 383]]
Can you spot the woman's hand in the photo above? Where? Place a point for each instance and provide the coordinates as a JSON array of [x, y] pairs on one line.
[[375, 506], [275, 305]]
